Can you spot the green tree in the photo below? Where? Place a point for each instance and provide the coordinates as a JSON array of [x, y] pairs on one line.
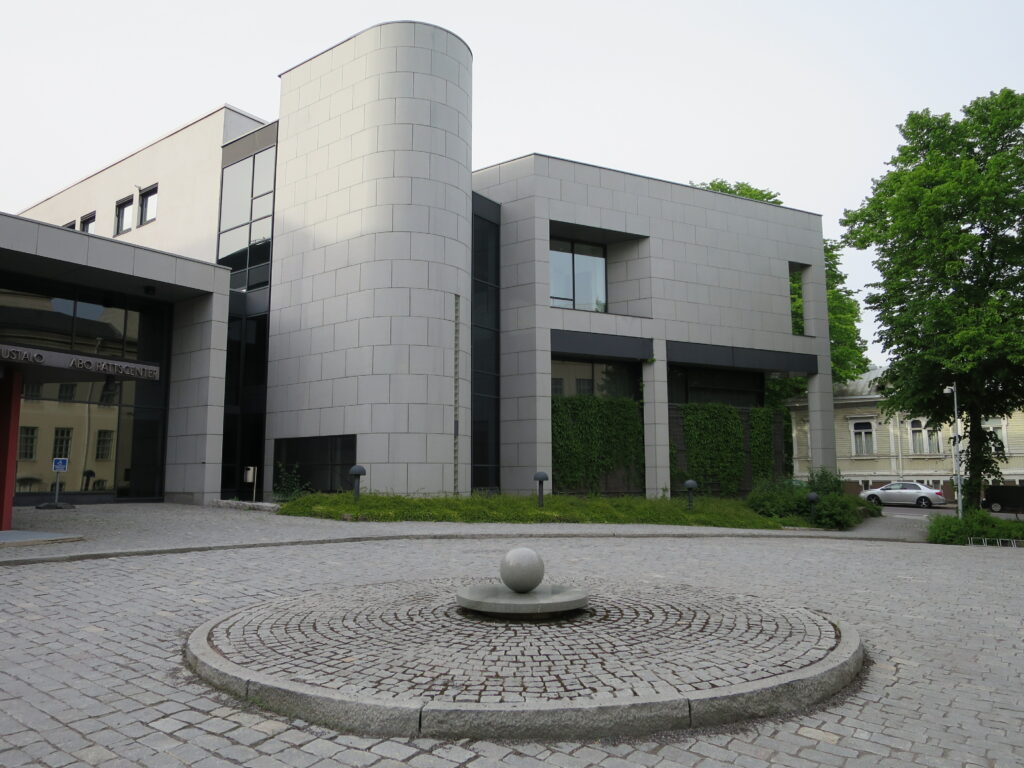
[[945, 222], [847, 346]]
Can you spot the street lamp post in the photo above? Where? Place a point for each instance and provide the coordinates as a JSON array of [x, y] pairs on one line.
[[956, 451]]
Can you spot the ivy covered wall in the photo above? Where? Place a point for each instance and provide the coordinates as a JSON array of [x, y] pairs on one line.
[[725, 448], [597, 445]]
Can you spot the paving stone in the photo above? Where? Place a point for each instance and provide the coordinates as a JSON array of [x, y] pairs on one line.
[[92, 648]]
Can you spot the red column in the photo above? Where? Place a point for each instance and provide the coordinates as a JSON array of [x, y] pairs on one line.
[[10, 407]]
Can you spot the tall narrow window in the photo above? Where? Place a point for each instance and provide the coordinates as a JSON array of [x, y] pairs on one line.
[[577, 276], [123, 216], [28, 437], [863, 438], [66, 391], [62, 442], [797, 274], [88, 223], [104, 444], [922, 439], [147, 205]]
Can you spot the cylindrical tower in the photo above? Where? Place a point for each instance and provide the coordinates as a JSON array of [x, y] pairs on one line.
[[370, 291]]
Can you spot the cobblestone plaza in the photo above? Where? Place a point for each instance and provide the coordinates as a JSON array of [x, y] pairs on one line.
[[92, 671]]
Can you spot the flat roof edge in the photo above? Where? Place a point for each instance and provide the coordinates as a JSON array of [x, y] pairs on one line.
[[143, 148], [643, 176]]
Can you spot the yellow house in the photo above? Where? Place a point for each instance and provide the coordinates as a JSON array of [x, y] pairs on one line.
[[872, 450]]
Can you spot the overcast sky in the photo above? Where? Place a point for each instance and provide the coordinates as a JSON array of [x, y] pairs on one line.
[[800, 97]]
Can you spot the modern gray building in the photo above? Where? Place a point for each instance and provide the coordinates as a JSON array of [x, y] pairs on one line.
[[387, 305]]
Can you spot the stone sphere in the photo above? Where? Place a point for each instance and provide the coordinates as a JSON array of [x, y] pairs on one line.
[[522, 569]]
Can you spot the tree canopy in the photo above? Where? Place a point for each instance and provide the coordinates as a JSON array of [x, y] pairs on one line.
[[946, 224], [847, 346]]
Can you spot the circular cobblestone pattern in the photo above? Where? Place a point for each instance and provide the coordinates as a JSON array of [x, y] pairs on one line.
[[403, 657]]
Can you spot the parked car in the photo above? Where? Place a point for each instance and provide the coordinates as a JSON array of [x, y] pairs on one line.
[[905, 493]]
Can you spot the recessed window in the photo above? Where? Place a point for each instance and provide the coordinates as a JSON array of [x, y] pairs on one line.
[[104, 444], [62, 442], [28, 437], [66, 392], [32, 390], [577, 276], [88, 223], [123, 216], [147, 205], [69, 225], [863, 438]]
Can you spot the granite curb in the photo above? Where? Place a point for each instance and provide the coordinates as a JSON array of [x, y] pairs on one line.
[[644, 715], [726, 533]]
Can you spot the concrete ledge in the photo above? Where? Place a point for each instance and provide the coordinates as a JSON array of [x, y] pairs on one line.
[[573, 720], [255, 506]]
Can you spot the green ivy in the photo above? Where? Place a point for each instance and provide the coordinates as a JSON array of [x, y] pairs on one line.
[[592, 437], [714, 446], [762, 453]]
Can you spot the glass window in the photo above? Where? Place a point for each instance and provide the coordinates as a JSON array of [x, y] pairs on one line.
[[99, 329], [147, 205], [62, 442], [35, 320], [28, 438], [586, 377], [863, 438], [88, 223], [66, 391], [233, 245], [263, 206], [123, 216], [995, 426], [32, 390], [577, 276], [260, 231], [263, 175], [236, 194], [69, 225], [104, 444], [923, 440]]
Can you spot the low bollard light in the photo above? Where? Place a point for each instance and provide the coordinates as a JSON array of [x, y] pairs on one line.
[[690, 486], [812, 499], [357, 472], [540, 477]]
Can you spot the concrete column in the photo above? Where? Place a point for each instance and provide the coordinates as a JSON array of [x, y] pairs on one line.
[[195, 419], [10, 407], [821, 426], [656, 438]]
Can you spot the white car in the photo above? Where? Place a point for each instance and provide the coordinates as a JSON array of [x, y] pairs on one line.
[[905, 493]]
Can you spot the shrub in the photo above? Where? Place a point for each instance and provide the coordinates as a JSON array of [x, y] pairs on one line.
[[778, 498], [838, 512], [288, 483], [947, 529], [824, 481]]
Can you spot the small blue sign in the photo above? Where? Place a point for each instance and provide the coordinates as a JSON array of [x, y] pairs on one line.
[[60, 465]]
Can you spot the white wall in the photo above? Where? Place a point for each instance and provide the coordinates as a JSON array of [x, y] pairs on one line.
[[185, 164]]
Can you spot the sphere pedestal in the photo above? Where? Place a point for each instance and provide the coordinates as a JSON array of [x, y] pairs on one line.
[[521, 595]]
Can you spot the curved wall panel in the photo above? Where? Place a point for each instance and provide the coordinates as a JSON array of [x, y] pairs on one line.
[[371, 279]]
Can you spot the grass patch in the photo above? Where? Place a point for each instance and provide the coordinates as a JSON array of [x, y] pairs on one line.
[[723, 513], [947, 529]]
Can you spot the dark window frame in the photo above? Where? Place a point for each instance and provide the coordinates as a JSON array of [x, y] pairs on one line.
[[87, 223], [120, 217], [572, 253], [145, 196], [70, 225]]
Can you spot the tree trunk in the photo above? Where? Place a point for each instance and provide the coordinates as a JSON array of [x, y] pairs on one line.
[[975, 459]]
